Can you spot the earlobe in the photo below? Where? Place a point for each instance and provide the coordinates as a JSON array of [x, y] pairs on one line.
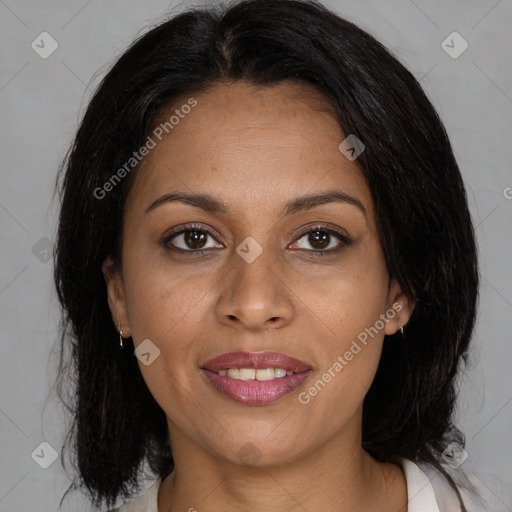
[[399, 309], [116, 296]]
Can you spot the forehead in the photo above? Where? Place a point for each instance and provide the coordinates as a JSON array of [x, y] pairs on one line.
[[250, 146]]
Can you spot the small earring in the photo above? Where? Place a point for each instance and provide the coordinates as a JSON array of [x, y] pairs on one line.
[[401, 327], [120, 335]]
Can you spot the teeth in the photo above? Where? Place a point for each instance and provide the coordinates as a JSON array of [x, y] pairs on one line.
[[265, 374], [234, 373], [260, 374], [247, 373]]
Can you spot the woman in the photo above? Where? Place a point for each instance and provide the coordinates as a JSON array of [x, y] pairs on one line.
[[267, 261]]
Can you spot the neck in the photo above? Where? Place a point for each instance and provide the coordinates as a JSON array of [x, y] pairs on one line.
[[337, 476]]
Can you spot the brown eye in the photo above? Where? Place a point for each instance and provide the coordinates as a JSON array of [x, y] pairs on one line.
[[323, 239], [319, 239], [193, 239]]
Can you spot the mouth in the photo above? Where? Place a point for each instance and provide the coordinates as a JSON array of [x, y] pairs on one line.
[[254, 378]]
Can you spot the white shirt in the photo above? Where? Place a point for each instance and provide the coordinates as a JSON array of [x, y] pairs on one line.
[[427, 491]]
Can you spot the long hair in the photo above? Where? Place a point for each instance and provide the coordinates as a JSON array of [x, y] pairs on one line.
[[423, 221]]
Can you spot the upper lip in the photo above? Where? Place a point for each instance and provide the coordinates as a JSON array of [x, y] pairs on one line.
[[255, 360]]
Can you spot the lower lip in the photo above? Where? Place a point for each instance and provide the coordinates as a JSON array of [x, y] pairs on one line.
[[256, 392]]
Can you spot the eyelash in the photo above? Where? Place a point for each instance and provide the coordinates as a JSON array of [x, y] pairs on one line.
[[345, 241]]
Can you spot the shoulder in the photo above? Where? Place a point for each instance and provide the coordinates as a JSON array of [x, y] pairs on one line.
[[144, 502], [428, 487]]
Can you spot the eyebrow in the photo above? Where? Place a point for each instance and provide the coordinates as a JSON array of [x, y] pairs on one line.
[[210, 204]]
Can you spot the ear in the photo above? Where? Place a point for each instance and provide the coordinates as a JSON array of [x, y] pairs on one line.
[[116, 296], [401, 305]]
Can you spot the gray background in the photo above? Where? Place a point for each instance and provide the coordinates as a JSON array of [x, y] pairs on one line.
[[41, 101]]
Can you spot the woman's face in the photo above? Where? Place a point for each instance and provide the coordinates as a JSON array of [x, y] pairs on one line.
[[252, 278]]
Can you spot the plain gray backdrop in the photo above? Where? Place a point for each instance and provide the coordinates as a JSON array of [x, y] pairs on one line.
[[41, 101]]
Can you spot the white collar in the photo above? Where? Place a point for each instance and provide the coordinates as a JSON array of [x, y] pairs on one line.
[[420, 493]]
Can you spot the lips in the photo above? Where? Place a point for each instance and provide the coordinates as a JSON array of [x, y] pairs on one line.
[[255, 392], [256, 360]]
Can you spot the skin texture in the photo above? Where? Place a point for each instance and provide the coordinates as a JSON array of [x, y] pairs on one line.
[[256, 148]]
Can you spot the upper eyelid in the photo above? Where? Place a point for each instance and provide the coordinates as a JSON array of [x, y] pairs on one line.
[[342, 237]]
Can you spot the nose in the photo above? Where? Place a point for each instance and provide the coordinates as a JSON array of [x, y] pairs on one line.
[[255, 295]]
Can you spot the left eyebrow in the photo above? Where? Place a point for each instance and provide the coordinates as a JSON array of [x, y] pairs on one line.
[[210, 204]]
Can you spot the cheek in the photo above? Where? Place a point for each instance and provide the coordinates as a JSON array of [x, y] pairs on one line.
[[335, 396], [168, 308], [346, 300], [164, 300], [349, 307]]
